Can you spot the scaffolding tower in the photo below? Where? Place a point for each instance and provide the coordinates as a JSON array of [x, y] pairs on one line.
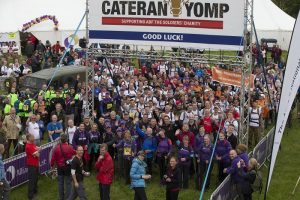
[[207, 56], [246, 73]]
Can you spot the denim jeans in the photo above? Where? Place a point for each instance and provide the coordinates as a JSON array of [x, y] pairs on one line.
[[4, 190], [78, 192], [64, 186]]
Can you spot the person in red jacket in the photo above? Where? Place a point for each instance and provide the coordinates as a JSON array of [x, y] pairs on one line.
[[208, 123], [32, 160], [105, 169], [61, 158], [185, 131]]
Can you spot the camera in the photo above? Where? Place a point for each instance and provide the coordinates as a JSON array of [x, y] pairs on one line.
[[68, 162]]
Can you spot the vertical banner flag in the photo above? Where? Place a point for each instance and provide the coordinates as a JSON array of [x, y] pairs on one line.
[[216, 24], [290, 85]]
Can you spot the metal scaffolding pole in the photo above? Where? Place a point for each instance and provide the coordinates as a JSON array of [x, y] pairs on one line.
[[246, 73], [90, 73]]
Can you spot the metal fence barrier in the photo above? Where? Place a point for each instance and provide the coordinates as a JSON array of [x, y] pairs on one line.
[[261, 152], [17, 172], [16, 167]]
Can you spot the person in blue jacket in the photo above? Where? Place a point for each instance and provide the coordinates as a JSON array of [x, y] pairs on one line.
[[138, 176], [149, 145], [204, 156], [223, 148]]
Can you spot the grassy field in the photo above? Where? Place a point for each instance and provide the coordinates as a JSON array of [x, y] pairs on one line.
[[287, 170], [119, 191], [285, 175]]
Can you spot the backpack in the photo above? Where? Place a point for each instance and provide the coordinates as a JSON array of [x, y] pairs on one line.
[[257, 185]]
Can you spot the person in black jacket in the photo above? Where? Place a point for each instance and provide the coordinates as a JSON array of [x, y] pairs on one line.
[[232, 139], [248, 177], [172, 180]]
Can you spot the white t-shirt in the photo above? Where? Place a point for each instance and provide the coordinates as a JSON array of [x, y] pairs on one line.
[[162, 68], [26, 71], [5, 49], [9, 71], [4, 70], [70, 132], [34, 129], [254, 117]]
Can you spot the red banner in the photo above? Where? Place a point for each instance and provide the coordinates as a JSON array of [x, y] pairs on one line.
[[128, 21], [230, 77]]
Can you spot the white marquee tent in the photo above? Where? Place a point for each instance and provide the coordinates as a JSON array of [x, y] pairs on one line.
[[270, 21], [15, 13]]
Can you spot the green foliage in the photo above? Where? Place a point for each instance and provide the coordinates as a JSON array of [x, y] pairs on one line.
[[291, 7]]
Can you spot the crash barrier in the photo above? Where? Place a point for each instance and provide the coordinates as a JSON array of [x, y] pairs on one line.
[[261, 153], [16, 167]]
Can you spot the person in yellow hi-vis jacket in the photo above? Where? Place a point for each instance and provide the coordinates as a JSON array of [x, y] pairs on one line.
[[13, 96], [50, 93], [7, 106]]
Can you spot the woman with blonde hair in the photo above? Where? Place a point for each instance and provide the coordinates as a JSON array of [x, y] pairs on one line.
[[241, 150], [248, 177]]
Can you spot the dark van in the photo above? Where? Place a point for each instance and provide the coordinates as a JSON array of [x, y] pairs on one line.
[[65, 74]]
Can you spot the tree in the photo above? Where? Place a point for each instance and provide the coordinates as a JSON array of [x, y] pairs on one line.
[[291, 7]]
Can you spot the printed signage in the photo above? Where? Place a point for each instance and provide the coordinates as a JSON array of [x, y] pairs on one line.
[[214, 24]]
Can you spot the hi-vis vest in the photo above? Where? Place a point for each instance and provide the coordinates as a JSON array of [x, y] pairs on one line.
[[13, 98], [19, 108]]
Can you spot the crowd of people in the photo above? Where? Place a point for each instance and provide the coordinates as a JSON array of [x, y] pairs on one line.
[[165, 114], [9, 49]]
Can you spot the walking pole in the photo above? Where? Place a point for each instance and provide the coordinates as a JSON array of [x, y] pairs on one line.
[[293, 193]]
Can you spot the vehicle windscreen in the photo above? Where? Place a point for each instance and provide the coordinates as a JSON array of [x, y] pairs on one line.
[[33, 82]]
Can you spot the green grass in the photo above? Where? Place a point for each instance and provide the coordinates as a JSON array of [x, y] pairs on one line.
[[287, 170], [47, 190], [285, 175]]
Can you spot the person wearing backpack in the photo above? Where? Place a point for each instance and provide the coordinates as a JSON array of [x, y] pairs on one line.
[[251, 180], [61, 158]]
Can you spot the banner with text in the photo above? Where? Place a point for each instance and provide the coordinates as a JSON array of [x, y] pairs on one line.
[[290, 86], [230, 77], [216, 24], [16, 167]]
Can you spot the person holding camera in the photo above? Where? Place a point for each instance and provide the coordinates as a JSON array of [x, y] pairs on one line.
[[248, 177], [138, 176], [61, 158], [172, 180]]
